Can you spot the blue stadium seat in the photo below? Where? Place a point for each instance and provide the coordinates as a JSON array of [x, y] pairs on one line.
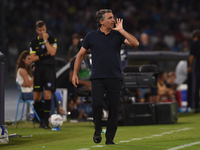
[[20, 100]]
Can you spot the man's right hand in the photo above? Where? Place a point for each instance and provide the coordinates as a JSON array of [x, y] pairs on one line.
[[45, 36], [75, 80]]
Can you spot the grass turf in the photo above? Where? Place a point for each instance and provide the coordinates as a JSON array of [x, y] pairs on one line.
[[74, 136]]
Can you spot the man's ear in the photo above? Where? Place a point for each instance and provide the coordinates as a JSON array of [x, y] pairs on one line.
[[101, 22]]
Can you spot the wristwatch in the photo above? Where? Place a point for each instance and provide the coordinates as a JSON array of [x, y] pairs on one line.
[[45, 41]]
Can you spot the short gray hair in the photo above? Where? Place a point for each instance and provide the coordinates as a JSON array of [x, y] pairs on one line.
[[100, 15]]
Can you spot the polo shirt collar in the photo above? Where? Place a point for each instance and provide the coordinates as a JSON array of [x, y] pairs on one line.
[[99, 31]]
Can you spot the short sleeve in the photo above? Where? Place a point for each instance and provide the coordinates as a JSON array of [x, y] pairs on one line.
[[53, 41], [86, 42], [122, 39], [32, 49]]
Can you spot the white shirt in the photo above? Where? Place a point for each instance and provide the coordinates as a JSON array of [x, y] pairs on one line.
[[181, 72], [20, 80]]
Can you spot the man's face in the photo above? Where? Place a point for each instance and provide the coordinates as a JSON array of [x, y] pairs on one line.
[[41, 30], [108, 21], [75, 41]]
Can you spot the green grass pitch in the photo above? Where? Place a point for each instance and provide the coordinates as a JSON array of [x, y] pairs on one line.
[[78, 136]]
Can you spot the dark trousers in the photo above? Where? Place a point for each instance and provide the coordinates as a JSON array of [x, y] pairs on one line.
[[112, 88], [191, 89], [197, 88]]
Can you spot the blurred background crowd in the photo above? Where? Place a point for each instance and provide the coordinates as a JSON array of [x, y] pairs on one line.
[[159, 25], [162, 25]]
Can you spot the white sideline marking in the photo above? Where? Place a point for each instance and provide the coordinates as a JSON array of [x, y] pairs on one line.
[[98, 146], [135, 139], [44, 133], [183, 146], [155, 135], [125, 141]]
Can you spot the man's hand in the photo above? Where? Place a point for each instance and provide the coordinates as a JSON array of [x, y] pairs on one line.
[[75, 80], [118, 24], [45, 36]]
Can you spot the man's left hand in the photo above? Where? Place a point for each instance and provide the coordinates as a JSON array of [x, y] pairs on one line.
[[118, 24], [45, 36]]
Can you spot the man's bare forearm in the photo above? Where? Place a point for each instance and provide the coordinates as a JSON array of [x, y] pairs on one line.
[[77, 63], [132, 40], [50, 49]]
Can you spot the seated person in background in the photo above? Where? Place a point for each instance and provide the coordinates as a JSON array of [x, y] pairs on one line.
[[167, 93], [164, 92], [171, 76], [84, 72], [86, 107], [25, 80], [77, 113], [70, 105]]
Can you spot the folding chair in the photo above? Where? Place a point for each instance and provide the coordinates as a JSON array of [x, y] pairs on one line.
[[21, 100]]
